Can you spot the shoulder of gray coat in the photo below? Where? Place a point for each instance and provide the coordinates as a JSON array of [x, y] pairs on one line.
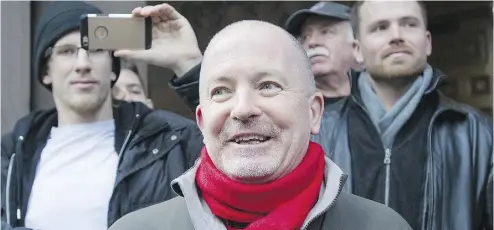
[[353, 212], [171, 214]]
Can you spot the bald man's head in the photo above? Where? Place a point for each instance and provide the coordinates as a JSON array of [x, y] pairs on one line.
[[258, 106], [250, 36]]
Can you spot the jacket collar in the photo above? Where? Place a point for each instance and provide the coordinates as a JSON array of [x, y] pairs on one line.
[[438, 79], [35, 127], [201, 215]]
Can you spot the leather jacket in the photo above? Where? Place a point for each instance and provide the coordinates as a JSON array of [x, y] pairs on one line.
[[458, 189]]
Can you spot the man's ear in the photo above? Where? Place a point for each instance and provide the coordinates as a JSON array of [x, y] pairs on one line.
[[357, 53], [429, 43], [316, 110], [47, 80], [199, 117]]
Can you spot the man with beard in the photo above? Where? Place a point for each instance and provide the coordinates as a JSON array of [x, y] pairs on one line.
[[84, 164], [325, 32], [402, 142], [259, 170]]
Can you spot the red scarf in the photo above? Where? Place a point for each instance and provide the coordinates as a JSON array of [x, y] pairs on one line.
[[280, 204]]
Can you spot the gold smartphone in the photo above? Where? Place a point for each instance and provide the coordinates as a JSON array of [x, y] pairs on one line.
[[115, 31]]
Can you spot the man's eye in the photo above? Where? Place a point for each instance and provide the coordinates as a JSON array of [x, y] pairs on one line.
[[66, 50], [379, 28], [219, 91], [269, 86]]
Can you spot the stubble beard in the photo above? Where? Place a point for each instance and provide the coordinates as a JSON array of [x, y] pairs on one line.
[[250, 164], [389, 73]]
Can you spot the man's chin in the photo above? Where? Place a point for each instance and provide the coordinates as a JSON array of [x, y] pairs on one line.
[[320, 69], [397, 71], [319, 72], [85, 104], [249, 171]]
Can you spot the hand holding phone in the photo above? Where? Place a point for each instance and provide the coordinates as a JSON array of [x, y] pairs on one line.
[[174, 43], [115, 32]]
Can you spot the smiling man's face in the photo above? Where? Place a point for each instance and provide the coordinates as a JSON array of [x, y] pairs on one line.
[[256, 110]]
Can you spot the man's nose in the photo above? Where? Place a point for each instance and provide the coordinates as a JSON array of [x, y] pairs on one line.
[[396, 34], [245, 108], [82, 65], [313, 41]]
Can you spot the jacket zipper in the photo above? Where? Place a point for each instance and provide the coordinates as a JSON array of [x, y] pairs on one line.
[[10, 174], [19, 175], [126, 141], [7, 191], [387, 162], [120, 154], [428, 193]]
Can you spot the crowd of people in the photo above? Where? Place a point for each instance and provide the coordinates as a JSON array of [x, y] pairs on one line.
[[331, 121]]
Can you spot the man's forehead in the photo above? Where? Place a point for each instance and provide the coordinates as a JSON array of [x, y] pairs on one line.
[[251, 49], [372, 11], [245, 56], [251, 69], [128, 77]]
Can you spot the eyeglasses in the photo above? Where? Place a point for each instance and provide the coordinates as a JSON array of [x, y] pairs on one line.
[[71, 52]]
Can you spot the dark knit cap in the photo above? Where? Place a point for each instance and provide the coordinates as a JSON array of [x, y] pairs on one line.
[[59, 19]]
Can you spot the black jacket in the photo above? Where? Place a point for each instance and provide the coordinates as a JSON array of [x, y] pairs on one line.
[[459, 182], [154, 147]]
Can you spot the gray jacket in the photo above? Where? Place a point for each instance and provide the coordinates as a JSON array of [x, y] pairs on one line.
[[333, 210]]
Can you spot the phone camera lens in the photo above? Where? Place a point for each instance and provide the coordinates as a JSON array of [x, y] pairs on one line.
[[100, 32]]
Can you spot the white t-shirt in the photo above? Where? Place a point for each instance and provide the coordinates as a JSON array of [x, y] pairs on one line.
[[74, 179]]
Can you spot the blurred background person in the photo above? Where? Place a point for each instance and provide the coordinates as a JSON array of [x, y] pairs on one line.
[[130, 85]]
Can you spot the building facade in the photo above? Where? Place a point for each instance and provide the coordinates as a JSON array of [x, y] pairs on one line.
[[461, 36]]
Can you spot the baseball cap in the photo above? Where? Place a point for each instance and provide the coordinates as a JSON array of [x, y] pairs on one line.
[[327, 9]]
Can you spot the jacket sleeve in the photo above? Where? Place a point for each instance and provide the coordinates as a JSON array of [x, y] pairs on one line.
[[187, 87], [193, 146]]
